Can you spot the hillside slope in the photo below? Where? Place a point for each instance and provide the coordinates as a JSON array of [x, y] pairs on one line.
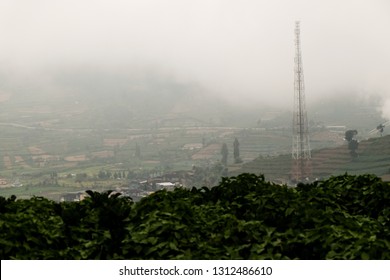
[[373, 157]]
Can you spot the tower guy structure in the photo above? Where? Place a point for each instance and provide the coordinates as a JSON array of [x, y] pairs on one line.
[[301, 154]]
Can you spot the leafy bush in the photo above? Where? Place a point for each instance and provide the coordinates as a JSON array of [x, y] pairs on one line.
[[244, 217]]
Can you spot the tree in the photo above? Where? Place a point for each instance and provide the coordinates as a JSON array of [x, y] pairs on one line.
[[224, 153], [137, 151], [380, 128], [350, 134], [236, 151], [102, 175], [80, 177], [353, 144]]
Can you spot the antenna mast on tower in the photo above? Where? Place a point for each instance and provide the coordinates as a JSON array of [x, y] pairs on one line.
[[301, 153]]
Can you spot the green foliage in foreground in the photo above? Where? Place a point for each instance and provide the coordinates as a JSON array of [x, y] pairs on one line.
[[244, 217]]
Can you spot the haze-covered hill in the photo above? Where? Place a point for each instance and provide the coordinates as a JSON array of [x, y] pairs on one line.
[[87, 97]]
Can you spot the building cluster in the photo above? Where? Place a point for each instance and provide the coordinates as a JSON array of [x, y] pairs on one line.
[[140, 188]]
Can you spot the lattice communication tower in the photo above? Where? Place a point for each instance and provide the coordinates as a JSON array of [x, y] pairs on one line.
[[301, 153]]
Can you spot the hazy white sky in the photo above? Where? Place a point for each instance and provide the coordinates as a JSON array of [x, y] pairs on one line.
[[243, 49]]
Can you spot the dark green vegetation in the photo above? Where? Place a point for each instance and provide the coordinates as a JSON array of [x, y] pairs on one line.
[[244, 217]]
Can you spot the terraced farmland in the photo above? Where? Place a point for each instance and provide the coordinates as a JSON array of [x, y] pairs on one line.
[[373, 157]]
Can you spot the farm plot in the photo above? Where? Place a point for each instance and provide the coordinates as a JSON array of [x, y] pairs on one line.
[[7, 162], [102, 154], [36, 151], [20, 161], [76, 158], [113, 142], [208, 152]]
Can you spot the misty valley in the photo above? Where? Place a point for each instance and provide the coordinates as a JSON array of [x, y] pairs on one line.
[[59, 146], [181, 129]]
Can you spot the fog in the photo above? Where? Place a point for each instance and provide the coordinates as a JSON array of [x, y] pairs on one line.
[[242, 50]]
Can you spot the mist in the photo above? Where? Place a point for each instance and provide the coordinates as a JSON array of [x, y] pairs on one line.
[[241, 51]]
